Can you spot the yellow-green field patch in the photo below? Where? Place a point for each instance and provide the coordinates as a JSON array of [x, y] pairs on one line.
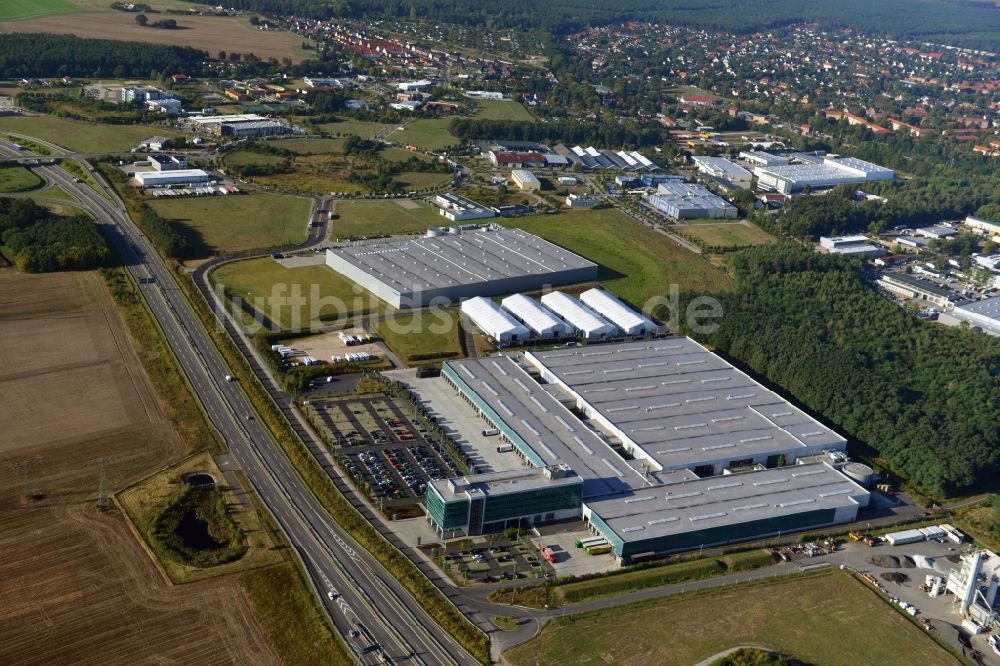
[[235, 223], [829, 619]]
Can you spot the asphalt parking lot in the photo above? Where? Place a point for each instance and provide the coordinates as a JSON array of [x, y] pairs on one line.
[[383, 448], [491, 560]]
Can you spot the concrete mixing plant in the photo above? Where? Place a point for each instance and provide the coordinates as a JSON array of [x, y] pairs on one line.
[[975, 588]]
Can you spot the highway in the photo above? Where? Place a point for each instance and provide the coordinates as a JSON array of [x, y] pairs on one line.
[[375, 615]]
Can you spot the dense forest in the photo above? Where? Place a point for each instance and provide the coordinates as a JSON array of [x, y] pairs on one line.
[[40, 242], [923, 397], [955, 21], [38, 55]]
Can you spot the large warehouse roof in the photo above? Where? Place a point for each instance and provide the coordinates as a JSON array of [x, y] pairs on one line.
[[617, 312], [543, 424], [535, 317], [471, 258], [493, 320], [681, 404], [578, 315], [723, 500]]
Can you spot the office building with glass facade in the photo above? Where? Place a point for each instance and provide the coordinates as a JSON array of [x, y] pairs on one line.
[[484, 503]]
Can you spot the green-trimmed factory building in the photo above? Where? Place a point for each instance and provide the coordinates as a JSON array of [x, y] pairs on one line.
[[485, 503]]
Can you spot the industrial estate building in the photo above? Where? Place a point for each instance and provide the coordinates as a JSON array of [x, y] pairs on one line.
[[172, 177], [723, 169], [525, 180], [168, 162], [854, 246], [686, 201], [984, 314], [759, 158], [238, 125], [459, 209], [694, 426], [449, 266], [493, 320], [625, 318], [541, 321], [488, 502], [819, 172], [586, 323], [909, 286]]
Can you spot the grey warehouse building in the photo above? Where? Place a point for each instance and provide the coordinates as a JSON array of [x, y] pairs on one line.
[[684, 201], [694, 425], [722, 510], [446, 267]]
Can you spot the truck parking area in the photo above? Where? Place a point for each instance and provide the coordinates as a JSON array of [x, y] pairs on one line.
[[384, 450]]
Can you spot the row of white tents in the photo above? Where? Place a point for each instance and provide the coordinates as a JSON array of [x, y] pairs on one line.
[[596, 314]]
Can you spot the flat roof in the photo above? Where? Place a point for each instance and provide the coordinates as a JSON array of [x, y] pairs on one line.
[[682, 404], [549, 429], [988, 308], [501, 483], [718, 501], [470, 257], [689, 195], [727, 167], [918, 284]]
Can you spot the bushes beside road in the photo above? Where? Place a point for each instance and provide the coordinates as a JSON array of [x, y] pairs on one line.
[[41, 242]]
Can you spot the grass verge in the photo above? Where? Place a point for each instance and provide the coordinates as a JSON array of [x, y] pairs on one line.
[[169, 381], [18, 179], [402, 569], [572, 592]]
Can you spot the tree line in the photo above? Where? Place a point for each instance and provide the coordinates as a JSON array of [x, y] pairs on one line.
[[951, 20], [41, 242], [42, 55], [921, 399]]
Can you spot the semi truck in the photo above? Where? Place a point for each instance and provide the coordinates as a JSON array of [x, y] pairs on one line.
[[505, 448]]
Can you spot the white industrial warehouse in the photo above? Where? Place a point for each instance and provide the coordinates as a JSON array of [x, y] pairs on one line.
[[686, 201], [174, 177], [724, 169], [819, 172], [686, 416], [588, 324], [448, 266], [493, 320], [541, 321], [619, 314]]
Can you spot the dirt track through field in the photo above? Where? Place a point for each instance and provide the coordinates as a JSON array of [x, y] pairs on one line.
[[209, 33]]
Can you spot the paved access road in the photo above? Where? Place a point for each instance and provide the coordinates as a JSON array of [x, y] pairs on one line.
[[358, 594]]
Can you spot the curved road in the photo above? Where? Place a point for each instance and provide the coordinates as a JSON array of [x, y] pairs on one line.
[[357, 593]]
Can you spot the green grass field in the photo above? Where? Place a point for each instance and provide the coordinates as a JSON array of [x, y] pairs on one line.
[[636, 262], [310, 146], [426, 134], [18, 179], [11, 10], [82, 137], [295, 298], [349, 126], [493, 109], [241, 158], [421, 180], [381, 218], [393, 154], [829, 619], [415, 337], [727, 235], [240, 222]]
